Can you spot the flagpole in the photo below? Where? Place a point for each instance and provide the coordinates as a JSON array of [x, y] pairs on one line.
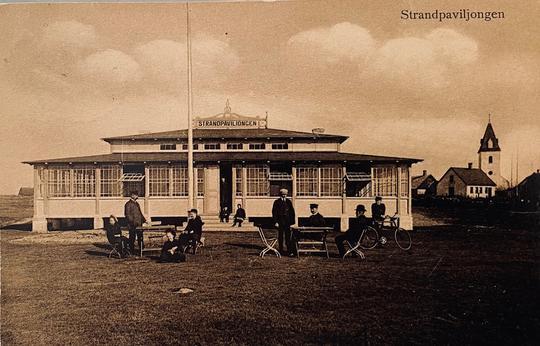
[[191, 197]]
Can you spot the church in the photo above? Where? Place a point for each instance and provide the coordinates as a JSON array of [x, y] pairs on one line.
[[237, 160], [481, 182]]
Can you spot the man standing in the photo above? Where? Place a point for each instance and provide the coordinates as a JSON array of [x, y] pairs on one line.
[[283, 216], [239, 216], [378, 210], [135, 218], [355, 230]]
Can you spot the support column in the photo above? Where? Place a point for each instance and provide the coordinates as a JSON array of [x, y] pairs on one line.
[[195, 187], [294, 192], [233, 190], [146, 192], [244, 187], [39, 221], [344, 215], [398, 191], [98, 219]]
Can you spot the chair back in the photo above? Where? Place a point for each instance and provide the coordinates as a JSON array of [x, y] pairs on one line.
[[261, 234]]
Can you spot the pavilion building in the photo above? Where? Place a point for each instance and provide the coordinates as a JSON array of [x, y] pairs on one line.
[[237, 160]]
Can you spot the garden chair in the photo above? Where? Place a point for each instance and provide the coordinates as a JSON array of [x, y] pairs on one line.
[[354, 248], [268, 243], [195, 245]]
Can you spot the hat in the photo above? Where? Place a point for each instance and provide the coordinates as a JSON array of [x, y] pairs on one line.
[[134, 192], [360, 207], [283, 191], [193, 211], [378, 198], [313, 205]]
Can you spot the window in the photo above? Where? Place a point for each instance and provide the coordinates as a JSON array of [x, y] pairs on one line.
[[471, 189], [358, 184], [59, 181], [179, 181], [167, 147], [257, 180], [480, 189], [476, 189], [238, 182], [490, 159], [158, 180], [195, 146], [200, 181], [280, 146], [384, 180], [110, 181], [451, 178], [331, 181], [404, 182], [257, 146], [84, 181], [234, 146], [307, 181], [490, 143], [212, 146], [490, 172]]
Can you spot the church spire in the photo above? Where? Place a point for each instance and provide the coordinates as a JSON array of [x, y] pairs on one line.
[[489, 142]]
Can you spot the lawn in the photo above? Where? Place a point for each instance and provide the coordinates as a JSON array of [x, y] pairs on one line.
[[458, 285]]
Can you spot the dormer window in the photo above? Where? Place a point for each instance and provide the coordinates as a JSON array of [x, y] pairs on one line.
[[167, 147], [280, 146], [257, 146]]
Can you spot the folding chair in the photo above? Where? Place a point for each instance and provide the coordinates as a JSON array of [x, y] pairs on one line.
[[194, 245], [268, 243], [115, 243], [354, 248]]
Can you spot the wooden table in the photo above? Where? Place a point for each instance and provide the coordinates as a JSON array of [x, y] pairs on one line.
[[153, 228], [311, 245]]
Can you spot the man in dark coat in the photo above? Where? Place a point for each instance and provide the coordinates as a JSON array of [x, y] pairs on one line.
[[135, 218], [170, 252], [193, 231], [224, 214], [315, 219], [378, 209], [284, 216], [239, 216], [355, 230]]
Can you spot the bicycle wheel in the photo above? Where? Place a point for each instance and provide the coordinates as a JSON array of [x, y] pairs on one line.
[[369, 238], [403, 239]]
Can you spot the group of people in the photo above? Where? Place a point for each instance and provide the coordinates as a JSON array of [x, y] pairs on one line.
[[238, 218], [173, 248]]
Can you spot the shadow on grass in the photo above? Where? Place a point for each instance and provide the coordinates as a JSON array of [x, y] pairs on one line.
[[97, 253]]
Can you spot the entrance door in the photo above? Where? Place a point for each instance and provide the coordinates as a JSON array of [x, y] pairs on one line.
[[225, 185], [451, 191]]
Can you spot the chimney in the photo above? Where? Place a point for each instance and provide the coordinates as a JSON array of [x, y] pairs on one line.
[[470, 165], [424, 173]]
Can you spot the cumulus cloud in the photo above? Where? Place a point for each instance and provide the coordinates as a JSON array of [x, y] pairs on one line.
[[110, 66], [343, 41], [69, 34], [420, 61]]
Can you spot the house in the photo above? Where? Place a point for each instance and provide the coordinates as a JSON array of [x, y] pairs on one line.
[[529, 189], [423, 185], [237, 160], [466, 182]]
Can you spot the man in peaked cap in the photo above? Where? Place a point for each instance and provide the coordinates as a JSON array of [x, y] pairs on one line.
[[284, 216], [355, 230]]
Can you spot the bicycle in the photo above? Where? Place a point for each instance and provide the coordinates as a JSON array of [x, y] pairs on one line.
[[370, 236]]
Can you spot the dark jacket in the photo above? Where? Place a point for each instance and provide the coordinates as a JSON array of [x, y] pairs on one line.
[[169, 245], [113, 232], [224, 213], [240, 214], [194, 226], [378, 211], [316, 220], [283, 212], [356, 227], [134, 216]]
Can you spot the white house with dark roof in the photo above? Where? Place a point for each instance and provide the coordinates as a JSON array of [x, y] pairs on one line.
[[237, 160], [466, 182]]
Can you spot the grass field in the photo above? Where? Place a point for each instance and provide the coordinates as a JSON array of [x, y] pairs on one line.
[[458, 285]]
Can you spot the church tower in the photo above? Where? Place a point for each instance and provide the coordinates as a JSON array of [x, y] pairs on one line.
[[489, 157]]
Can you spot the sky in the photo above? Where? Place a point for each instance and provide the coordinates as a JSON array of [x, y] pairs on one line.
[[71, 74]]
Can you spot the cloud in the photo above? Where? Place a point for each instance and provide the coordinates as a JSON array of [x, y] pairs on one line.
[[110, 66], [343, 41], [69, 34], [421, 61]]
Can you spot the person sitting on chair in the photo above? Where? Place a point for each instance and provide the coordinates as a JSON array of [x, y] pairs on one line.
[[315, 220], [378, 210], [193, 231], [239, 216], [355, 230], [224, 214], [170, 252], [114, 235]]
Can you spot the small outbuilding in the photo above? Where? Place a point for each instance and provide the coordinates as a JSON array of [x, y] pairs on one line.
[[466, 182]]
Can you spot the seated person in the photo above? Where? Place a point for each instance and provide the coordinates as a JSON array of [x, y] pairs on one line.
[[193, 231], [315, 220], [224, 214], [239, 216], [355, 230], [378, 210], [170, 252], [115, 237]]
